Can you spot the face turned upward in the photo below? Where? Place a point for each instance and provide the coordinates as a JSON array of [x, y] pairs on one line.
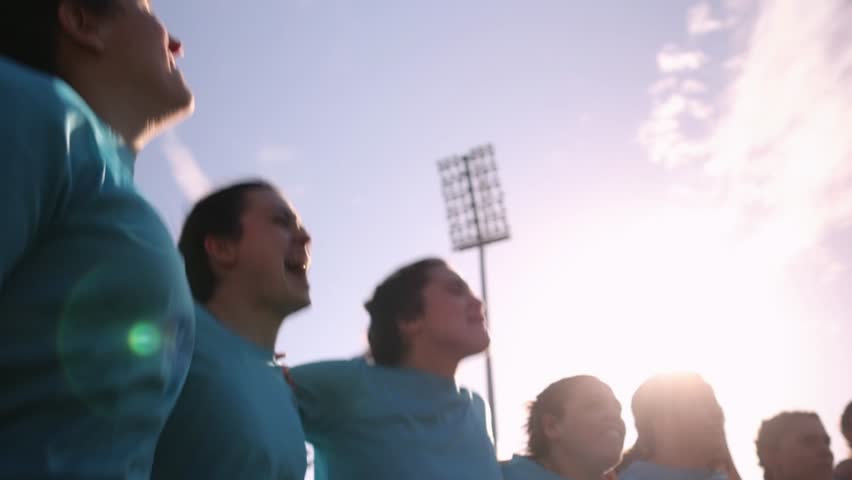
[[452, 321]]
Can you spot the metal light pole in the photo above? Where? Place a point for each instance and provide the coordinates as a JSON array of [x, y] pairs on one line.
[[477, 217]]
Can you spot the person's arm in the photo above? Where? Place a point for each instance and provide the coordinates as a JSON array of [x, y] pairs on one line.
[[484, 412], [324, 392], [34, 180]]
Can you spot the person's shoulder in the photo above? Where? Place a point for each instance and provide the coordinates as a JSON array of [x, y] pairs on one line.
[[523, 467], [843, 471], [27, 92], [517, 464], [473, 397], [332, 367]]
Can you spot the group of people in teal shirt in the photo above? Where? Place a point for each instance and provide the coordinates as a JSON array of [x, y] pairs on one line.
[[127, 357]]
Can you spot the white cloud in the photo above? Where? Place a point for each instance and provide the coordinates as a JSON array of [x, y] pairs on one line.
[[690, 86], [662, 134], [274, 154], [663, 85], [779, 153], [700, 20], [188, 174], [672, 59]]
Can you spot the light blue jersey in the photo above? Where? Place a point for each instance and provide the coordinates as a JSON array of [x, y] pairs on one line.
[[525, 468], [236, 418], [641, 470], [96, 320], [379, 423]]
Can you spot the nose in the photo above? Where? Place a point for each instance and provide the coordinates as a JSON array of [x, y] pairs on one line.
[[478, 303], [302, 236], [175, 46]]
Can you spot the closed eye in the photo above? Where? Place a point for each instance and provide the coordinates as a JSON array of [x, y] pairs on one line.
[[283, 221]]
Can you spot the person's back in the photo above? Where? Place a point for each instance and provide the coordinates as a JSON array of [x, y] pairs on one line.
[[97, 320]]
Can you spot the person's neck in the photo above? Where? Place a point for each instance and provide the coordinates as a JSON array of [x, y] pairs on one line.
[[253, 323], [680, 455], [115, 106], [568, 467], [431, 362]]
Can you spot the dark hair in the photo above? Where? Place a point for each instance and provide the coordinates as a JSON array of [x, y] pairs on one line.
[[649, 404], [397, 299], [216, 214], [771, 431], [550, 402], [846, 424], [29, 30]]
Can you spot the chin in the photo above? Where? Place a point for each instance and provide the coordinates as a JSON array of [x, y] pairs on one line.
[[479, 345], [175, 101]]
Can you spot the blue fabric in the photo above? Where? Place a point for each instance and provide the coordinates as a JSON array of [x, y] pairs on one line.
[[96, 320], [641, 470], [378, 423], [524, 468], [236, 418]]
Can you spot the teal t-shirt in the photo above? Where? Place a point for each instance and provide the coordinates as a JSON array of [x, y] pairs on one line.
[[236, 417], [96, 320], [525, 468], [642, 470], [379, 423]]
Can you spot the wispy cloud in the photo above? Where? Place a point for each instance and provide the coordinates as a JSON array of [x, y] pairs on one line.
[[777, 154], [692, 87], [663, 133], [663, 85], [672, 59], [700, 20], [188, 174]]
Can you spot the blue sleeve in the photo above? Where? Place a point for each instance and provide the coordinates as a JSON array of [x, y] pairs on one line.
[[35, 175], [325, 392]]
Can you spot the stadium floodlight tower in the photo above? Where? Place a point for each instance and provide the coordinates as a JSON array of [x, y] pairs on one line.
[[477, 217]]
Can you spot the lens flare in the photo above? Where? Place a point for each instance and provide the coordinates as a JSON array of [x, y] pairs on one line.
[[144, 339]]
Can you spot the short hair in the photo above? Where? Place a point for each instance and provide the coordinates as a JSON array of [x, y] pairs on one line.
[[399, 298], [550, 402], [846, 424], [217, 214], [770, 433], [30, 31]]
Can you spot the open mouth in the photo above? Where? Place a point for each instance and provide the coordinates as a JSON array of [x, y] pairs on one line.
[[297, 268]]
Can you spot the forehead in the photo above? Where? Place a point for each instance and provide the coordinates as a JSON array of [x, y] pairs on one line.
[[444, 274], [591, 389], [805, 427], [267, 201]]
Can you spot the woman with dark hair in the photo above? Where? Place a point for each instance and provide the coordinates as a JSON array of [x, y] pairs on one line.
[[681, 432], [575, 432], [97, 320], [247, 257], [403, 416]]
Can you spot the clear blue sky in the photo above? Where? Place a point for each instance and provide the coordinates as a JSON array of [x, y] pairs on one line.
[[666, 205]]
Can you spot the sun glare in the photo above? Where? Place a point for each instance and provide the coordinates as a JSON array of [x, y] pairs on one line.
[[668, 291]]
